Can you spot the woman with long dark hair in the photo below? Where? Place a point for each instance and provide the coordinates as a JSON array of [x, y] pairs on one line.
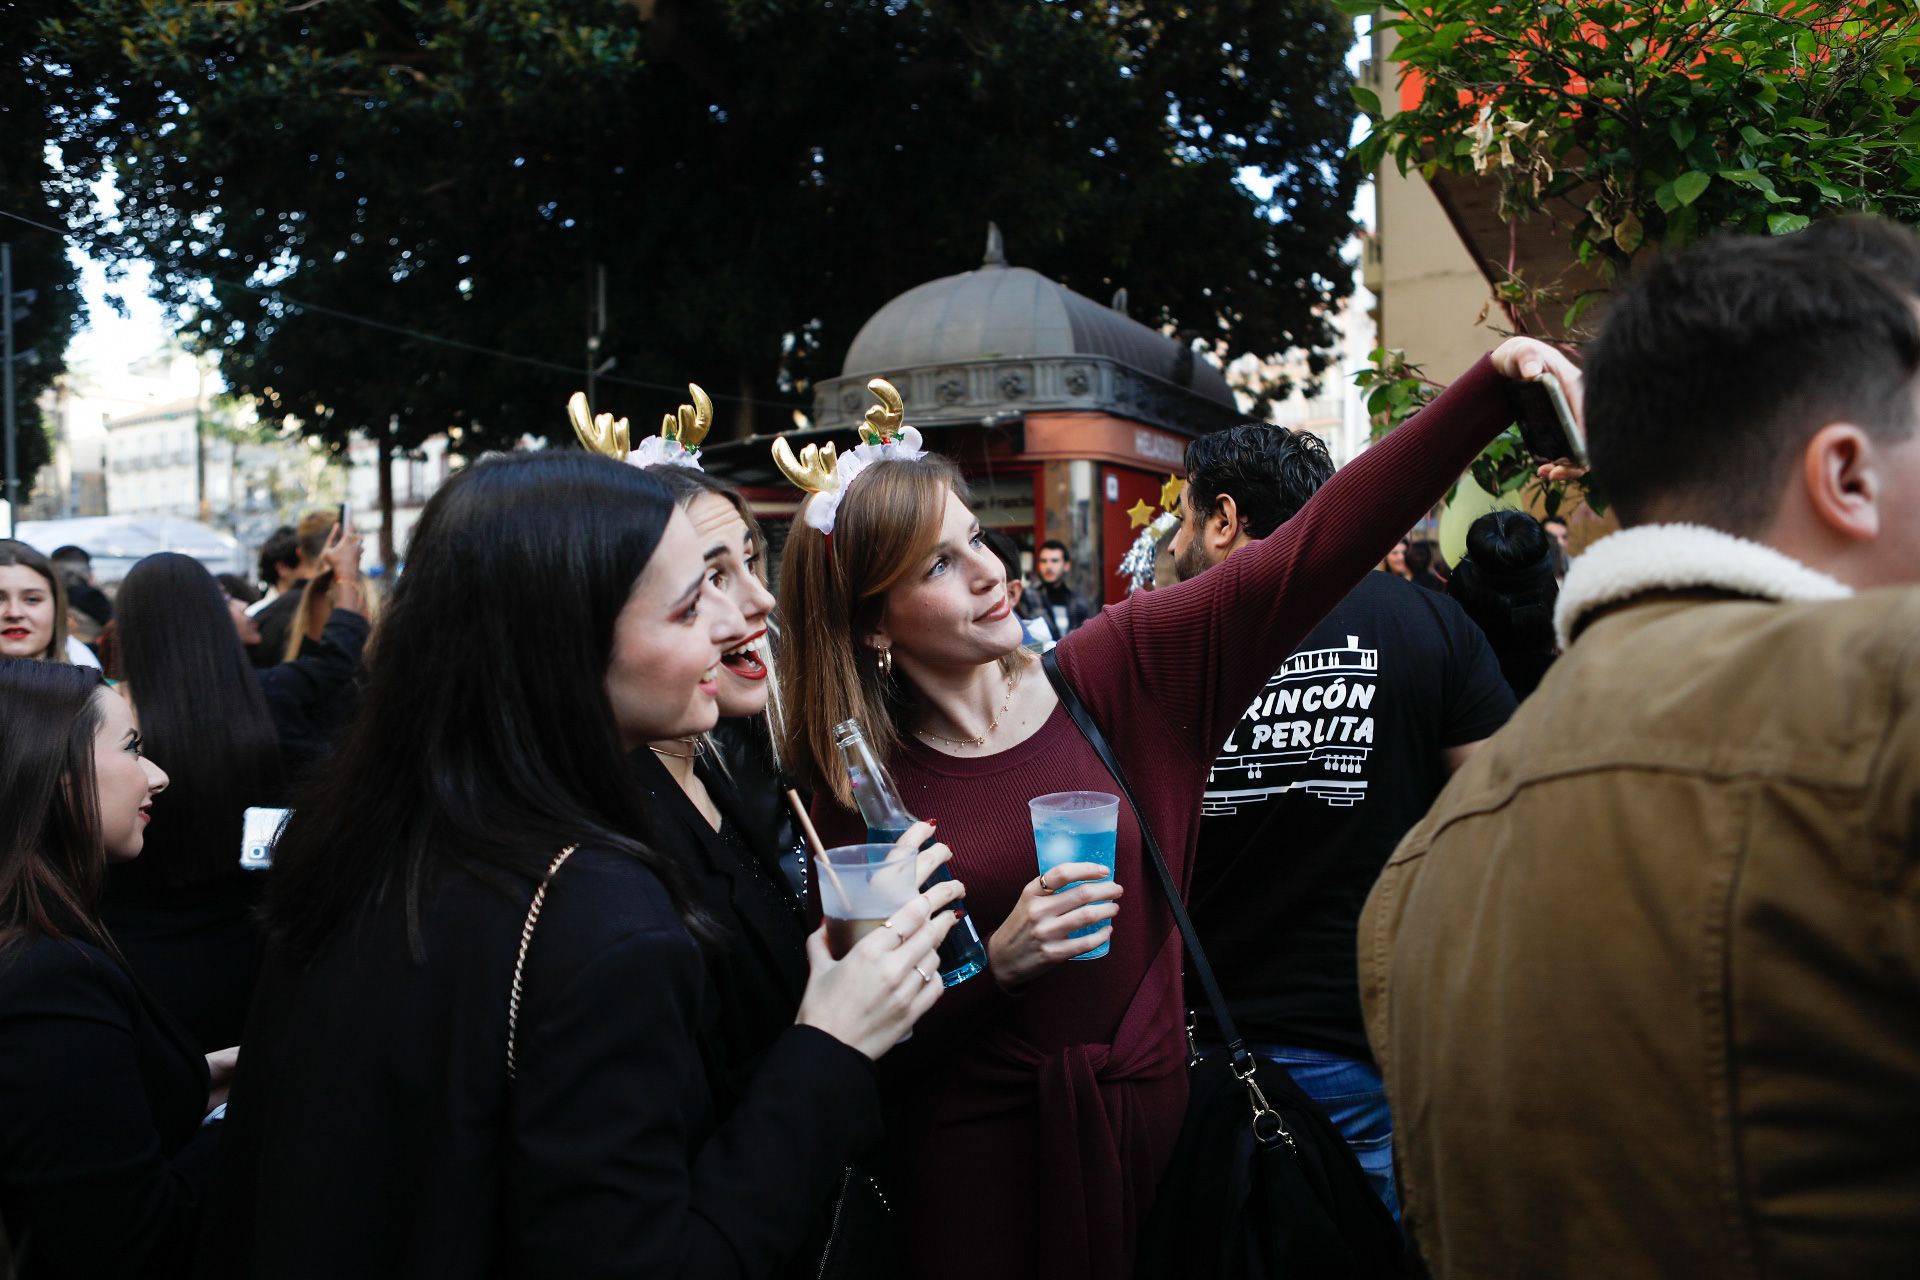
[[102, 1151], [478, 1046], [1050, 1117], [184, 912]]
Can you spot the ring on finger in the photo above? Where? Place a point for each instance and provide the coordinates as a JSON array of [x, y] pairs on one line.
[[925, 977]]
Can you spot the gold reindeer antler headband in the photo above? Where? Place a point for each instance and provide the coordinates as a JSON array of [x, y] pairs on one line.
[[821, 471], [690, 424], [883, 419], [602, 434], [677, 445], [813, 471]]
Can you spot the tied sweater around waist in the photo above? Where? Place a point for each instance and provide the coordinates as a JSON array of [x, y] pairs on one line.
[[1045, 1118]]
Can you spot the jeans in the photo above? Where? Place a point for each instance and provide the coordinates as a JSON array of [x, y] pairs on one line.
[[1355, 1100]]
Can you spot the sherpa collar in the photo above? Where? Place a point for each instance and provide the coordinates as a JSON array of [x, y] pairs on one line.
[[1679, 557]]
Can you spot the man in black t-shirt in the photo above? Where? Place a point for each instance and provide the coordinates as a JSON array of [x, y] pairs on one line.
[[1342, 752]]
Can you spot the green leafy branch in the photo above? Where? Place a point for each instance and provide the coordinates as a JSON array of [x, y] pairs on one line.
[[1397, 389], [1649, 126]]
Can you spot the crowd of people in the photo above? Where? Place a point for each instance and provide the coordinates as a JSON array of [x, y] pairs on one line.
[[1580, 895]]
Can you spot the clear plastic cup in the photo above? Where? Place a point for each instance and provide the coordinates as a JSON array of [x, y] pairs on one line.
[[861, 886], [1076, 826]]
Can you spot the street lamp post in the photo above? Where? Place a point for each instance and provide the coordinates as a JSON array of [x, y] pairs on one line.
[[6, 363]]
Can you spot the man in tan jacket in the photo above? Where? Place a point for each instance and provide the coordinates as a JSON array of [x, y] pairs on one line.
[[1645, 984]]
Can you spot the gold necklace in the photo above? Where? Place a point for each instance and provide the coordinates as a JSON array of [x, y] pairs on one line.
[[993, 725], [675, 755]]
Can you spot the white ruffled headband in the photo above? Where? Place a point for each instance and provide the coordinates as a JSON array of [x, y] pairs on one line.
[[826, 475], [677, 445]]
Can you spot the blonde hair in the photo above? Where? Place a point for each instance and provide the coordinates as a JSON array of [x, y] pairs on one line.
[[833, 593], [316, 606]]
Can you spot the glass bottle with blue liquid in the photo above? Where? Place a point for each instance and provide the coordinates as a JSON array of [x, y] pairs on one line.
[[887, 819]]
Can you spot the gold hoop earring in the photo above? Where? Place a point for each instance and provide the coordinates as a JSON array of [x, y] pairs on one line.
[[883, 659]]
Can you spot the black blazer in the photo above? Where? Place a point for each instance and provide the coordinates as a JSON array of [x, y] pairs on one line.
[[758, 792], [102, 1153], [759, 966], [196, 948], [373, 1131]]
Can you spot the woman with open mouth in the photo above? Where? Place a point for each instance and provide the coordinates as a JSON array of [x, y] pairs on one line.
[[720, 805], [721, 812]]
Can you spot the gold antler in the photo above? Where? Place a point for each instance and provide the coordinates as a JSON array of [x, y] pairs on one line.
[[696, 419], [884, 418], [603, 434], [812, 471]]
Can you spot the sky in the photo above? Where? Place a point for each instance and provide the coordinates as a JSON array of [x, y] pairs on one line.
[[108, 341]]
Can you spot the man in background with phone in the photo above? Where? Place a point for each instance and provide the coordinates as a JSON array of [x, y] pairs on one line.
[[279, 618], [1642, 984]]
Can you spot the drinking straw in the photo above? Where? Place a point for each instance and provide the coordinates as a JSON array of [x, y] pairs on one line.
[[812, 838]]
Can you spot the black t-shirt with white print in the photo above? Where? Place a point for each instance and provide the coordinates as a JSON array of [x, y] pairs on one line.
[[1339, 755]]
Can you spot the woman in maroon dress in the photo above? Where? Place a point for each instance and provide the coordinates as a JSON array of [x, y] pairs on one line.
[[1037, 1105]]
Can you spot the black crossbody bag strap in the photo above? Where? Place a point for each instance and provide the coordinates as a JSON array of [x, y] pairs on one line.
[[1267, 1125]]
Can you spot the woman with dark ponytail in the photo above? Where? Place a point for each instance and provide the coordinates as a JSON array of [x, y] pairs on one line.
[[1507, 584]]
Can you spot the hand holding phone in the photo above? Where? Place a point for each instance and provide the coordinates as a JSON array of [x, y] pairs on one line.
[[1548, 426]]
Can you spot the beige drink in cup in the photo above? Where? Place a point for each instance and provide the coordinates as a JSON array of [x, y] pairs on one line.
[[861, 886]]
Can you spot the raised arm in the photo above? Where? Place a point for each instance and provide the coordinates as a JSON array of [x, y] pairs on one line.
[[1200, 651]]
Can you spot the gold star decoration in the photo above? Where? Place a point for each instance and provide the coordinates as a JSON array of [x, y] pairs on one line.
[[1170, 494], [1141, 514]]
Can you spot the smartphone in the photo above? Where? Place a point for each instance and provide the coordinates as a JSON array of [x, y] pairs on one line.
[[341, 518], [260, 830], [1547, 425]]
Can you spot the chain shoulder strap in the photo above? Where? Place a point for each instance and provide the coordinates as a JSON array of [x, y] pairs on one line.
[[520, 961]]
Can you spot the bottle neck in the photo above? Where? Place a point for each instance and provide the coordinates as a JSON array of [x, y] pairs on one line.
[[873, 788]]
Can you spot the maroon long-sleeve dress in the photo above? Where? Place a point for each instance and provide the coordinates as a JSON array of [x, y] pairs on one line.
[[1030, 1131]]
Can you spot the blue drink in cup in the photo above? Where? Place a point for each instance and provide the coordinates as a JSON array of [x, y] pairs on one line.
[[1076, 826]]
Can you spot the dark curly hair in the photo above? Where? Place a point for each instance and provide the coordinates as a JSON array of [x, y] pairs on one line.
[[1268, 471]]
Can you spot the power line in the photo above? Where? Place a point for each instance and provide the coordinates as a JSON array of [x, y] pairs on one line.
[[417, 335]]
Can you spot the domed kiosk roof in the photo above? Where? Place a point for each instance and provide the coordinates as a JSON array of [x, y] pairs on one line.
[[1001, 338]]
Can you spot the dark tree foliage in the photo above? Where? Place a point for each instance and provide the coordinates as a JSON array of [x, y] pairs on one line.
[[756, 177], [40, 261]]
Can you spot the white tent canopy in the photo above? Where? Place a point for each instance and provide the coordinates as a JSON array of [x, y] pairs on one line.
[[116, 543]]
